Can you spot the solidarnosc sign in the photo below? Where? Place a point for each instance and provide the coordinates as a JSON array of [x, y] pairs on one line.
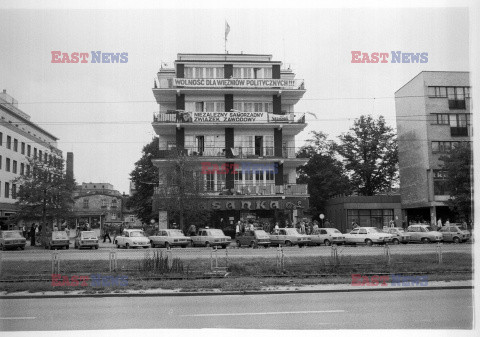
[[208, 117]]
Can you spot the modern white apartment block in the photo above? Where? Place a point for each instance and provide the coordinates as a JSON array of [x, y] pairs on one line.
[[433, 113]]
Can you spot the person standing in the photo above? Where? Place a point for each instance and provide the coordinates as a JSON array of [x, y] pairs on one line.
[[237, 228], [192, 230], [32, 235], [106, 234]]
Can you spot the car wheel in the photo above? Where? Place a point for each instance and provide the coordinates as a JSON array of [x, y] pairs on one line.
[[288, 243], [96, 247], [127, 246], [456, 239], [300, 245], [184, 246], [239, 244], [152, 244], [67, 247], [191, 243], [327, 243], [167, 245], [253, 245], [224, 247], [22, 248], [369, 242], [266, 246], [207, 244], [425, 240], [395, 241]]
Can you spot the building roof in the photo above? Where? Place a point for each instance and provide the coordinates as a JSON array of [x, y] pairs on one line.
[[429, 71]]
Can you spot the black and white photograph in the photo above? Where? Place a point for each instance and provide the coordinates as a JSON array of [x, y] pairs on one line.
[[260, 167]]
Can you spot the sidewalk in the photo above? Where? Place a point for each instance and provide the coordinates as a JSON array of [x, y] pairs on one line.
[[323, 288]]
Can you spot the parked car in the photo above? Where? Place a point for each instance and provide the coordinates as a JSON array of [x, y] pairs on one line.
[[423, 233], [131, 238], [86, 239], [55, 240], [455, 233], [210, 237], [12, 240], [289, 237], [327, 236], [368, 236], [399, 235], [169, 238], [253, 239]]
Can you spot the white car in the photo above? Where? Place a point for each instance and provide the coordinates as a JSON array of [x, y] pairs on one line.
[[169, 238], [132, 238], [368, 236], [327, 236], [210, 237], [289, 237]]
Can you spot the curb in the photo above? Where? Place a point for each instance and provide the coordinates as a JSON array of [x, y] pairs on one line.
[[230, 293]]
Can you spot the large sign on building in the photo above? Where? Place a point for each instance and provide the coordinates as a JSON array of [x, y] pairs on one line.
[[229, 117], [237, 83]]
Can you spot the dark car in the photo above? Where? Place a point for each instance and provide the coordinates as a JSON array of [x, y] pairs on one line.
[[86, 239], [253, 239], [12, 240]]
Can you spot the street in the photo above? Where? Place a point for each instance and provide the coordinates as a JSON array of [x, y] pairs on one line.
[[403, 309]]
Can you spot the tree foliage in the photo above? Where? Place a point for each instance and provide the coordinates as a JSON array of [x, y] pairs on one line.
[[370, 155], [459, 172], [323, 173], [45, 193], [144, 177]]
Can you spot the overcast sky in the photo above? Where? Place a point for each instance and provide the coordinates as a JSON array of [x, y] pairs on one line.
[[103, 112]]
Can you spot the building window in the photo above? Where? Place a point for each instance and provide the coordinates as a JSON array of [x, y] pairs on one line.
[[459, 125], [370, 217], [237, 72], [267, 72], [1, 159], [14, 166], [437, 91], [22, 148], [29, 150], [104, 203], [456, 97], [15, 145], [113, 216], [35, 152], [209, 72], [14, 191], [40, 155], [28, 170], [9, 142], [114, 203], [198, 72], [22, 169], [188, 72], [45, 158], [7, 165], [442, 119], [7, 190], [440, 183], [1, 138], [219, 72], [85, 203]]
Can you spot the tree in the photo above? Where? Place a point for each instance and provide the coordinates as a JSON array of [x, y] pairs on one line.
[[45, 193], [145, 178], [323, 173], [181, 192], [370, 155], [458, 168]]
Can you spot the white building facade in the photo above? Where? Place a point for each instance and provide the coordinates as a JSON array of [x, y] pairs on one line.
[[20, 139], [234, 109]]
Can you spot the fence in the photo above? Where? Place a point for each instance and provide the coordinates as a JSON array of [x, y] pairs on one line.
[[238, 262]]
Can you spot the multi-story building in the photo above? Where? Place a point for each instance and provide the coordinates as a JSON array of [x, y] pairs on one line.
[[433, 115], [20, 139], [233, 109], [97, 204]]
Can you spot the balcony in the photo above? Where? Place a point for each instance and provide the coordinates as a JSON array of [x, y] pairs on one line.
[[246, 189], [232, 117], [231, 153], [223, 83]]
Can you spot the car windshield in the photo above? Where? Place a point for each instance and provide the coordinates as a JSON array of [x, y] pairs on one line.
[[59, 236], [291, 231], [427, 229], [136, 234], [375, 230], [89, 235], [176, 232], [215, 232], [11, 235], [336, 231], [401, 230]]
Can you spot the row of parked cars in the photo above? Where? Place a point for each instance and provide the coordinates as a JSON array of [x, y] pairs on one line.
[[210, 237]]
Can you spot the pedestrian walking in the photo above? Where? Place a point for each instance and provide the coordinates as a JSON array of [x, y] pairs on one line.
[[192, 230], [237, 228], [106, 234], [32, 235]]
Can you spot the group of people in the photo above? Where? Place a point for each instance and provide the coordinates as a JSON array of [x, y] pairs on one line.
[[303, 226]]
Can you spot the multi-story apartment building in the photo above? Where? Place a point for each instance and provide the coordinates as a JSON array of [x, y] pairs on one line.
[[433, 113], [233, 109], [20, 139]]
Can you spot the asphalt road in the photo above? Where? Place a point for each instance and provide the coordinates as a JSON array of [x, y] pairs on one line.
[[407, 309], [32, 254]]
